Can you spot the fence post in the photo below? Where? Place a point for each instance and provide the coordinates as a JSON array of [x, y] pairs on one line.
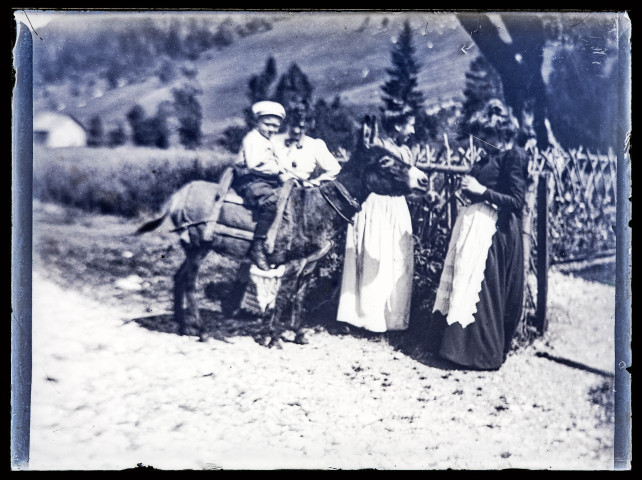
[[541, 322]]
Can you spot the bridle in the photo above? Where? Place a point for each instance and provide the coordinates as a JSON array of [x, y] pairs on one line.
[[353, 204]]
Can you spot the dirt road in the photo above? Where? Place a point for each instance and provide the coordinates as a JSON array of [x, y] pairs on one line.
[[109, 394]]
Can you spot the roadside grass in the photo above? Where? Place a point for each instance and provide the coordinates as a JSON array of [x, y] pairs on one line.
[[127, 181]]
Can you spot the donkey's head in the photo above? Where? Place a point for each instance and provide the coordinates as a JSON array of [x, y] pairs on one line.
[[381, 169]]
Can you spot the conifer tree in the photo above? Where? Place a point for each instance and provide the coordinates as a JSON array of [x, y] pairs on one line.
[[117, 136], [400, 91], [294, 90], [189, 114], [259, 85], [482, 84], [96, 132]]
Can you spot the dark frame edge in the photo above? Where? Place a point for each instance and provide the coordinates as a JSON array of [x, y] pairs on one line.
[[21, 242], [623, 296]]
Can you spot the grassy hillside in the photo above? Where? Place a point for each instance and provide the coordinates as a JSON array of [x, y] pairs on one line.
[[343, 54]]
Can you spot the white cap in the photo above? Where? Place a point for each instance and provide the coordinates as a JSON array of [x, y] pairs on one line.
[[268, 108]]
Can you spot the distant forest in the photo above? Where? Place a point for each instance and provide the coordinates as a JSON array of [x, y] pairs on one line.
[[580, 68], [131, 51]]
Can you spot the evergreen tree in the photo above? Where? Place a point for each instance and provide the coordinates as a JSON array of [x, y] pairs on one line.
[[400, 93], [117, 136], [136, 119], [294, 90], [96, 132], [173, 45], [259, 85], [189, 114], [334, 124], [482, 84], [148, 132], [582, 92], [259, 88]]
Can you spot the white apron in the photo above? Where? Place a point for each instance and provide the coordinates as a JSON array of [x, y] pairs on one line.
[[463, 273], [378, 267]]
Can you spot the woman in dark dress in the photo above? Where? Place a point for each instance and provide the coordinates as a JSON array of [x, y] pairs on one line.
[[480, 296]]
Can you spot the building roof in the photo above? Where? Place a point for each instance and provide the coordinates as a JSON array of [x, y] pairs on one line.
[[45, 121]]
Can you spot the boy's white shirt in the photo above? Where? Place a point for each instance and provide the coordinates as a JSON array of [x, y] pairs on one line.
[[258, 154]]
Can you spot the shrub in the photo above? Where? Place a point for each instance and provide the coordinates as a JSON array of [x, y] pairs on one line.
[[124, 181]]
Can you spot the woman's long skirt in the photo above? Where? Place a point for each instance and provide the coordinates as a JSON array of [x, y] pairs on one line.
[[378, 267], [484, 343]]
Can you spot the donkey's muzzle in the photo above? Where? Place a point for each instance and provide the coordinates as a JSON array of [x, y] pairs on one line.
[[417, 180]]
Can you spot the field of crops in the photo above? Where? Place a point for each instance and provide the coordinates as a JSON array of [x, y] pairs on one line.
[[127, 181]]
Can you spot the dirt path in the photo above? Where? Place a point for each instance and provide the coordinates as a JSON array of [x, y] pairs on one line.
[[109, 394]]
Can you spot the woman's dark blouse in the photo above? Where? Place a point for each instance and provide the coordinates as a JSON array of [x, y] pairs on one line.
[[504, 175]]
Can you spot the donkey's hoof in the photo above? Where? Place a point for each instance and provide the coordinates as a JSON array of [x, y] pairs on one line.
[[301, 339], [276, 342]]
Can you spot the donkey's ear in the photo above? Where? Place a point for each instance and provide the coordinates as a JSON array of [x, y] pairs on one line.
[[375, 130], [366, 131]]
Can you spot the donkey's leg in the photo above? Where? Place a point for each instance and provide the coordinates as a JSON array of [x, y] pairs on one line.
[[193, 264], [274, 326], [297, 309], [179, 297]]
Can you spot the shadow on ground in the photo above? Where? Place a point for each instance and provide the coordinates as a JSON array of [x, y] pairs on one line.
[[217, 325]]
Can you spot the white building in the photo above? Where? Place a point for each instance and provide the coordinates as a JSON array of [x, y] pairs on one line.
[[56, 130]]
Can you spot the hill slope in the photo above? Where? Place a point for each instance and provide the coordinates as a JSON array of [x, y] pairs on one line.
[[343, 54]]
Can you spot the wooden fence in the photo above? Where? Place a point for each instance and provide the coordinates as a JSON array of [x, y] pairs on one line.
[[569, 213]]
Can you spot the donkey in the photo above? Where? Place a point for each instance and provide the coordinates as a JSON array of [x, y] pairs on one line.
[[314, 216]]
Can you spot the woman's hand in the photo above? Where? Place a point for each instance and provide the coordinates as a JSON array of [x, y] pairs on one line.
[[470, 184]]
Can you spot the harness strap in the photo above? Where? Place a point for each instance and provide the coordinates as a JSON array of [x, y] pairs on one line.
[[346, 196]]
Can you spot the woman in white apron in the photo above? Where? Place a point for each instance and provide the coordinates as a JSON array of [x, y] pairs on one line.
[[378, 267]]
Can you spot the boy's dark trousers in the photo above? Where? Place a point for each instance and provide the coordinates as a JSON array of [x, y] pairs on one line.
[[261, 193]]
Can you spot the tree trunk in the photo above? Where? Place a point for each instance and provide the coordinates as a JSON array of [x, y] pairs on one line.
[[518, 63]]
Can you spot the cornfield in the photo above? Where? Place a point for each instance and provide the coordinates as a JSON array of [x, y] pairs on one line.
[[580, 196]]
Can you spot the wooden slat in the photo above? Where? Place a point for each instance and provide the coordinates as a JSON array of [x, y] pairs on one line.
[[542, 253], [223, 186], [220, 229]]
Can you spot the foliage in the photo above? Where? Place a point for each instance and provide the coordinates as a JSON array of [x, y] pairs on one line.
[[232, 137], [152, 131], [582, 204], [166, 71], [482, 84], [253, 26], [432, 124], [133, 50], [117, 136], [585, 109], [259, 85], [126, 181], [400, 92], [335, 124], [294, 89], [95, 132], [189, 114], [558, 67], [224, 36]]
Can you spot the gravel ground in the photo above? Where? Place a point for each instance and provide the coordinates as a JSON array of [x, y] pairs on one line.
[[109, 394]]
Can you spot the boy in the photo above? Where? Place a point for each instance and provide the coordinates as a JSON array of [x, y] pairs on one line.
[[259, 174]]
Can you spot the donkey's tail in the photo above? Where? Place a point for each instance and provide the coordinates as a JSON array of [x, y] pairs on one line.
[[174, 208], [151, 225]]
